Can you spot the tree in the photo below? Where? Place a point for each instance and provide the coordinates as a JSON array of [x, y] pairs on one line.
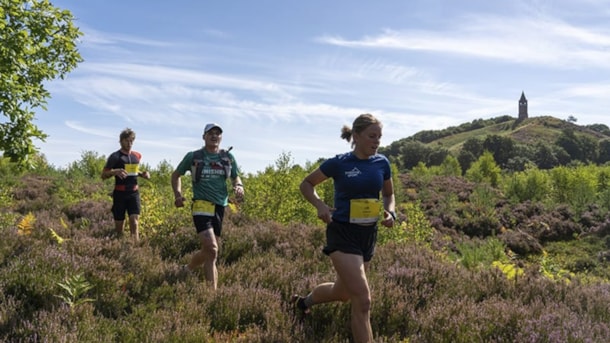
[[413, 152], [544, 156], [502, 148], [436, 156], [484, 169], [466, 158], [601, 128], [474, 146], [571, 144], [450, 167], [38, 45], [604, 151]]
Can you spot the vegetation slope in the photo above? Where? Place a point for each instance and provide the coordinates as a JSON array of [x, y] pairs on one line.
[[469, 261]]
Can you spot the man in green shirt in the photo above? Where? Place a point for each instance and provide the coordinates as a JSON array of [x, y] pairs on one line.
[[210, 167]]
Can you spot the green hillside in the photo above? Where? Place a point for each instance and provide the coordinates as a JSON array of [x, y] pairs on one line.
[[528, 139], [529, 131]]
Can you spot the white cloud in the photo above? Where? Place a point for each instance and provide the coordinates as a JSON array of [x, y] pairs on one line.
[[536, 41]]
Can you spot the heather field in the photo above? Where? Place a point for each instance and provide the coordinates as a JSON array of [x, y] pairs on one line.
[[475, 258]]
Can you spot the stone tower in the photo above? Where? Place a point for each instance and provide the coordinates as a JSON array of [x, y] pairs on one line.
[[522, 107]]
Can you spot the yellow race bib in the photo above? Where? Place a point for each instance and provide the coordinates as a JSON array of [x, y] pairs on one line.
[[364, 211], [204, 208], [132, 169]]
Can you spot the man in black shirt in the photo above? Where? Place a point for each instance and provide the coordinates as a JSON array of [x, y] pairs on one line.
[[123, 164]]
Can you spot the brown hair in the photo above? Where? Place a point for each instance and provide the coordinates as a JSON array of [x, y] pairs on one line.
[[127, 133], [360, 124]]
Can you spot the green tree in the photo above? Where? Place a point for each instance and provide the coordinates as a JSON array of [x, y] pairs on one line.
[[89, 165], [484, 169], [502, 148], [412, 153], [601, 128], [38, 45], [465, 158], [604, 151], [450, 167], [544, 156], [436, 156], [474, 146], [274, 194], [532, 184], [590, 149], [571, 144]]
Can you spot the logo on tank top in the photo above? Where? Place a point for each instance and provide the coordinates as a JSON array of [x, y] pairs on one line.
[[352, 173]]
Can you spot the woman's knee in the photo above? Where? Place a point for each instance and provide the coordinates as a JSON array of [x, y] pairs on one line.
[[345, 294], [362, 300]]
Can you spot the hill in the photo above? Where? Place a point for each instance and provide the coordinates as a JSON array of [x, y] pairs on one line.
[[528, 131], [526, 138]]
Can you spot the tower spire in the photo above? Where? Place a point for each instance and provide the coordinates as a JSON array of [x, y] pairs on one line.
[[523, 107]]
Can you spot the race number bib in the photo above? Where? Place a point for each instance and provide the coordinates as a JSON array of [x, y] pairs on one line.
[[204, 208], [132, 169], [364, 211]]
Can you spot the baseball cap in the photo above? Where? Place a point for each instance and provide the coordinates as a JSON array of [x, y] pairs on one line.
[[210, 126]]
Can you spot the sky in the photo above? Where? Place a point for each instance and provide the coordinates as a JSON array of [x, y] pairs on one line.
[[283, 77]]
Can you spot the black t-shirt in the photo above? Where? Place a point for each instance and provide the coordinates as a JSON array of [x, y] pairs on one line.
[[130, 162]]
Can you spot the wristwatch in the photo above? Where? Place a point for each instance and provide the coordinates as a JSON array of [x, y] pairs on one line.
[[393, 214]]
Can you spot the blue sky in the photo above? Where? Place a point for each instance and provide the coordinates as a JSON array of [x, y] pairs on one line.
[[284, 76]]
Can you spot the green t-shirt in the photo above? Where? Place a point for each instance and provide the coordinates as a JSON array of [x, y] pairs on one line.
[[213, 183]]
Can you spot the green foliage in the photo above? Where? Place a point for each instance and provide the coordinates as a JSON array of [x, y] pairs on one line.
[[157, 209], [578, 186], [412, 153], [90, 165], [484, 169], [502, 148], [75, 288], [38, 45], [9, 171], [474, 146], [604, 151], [544, 156], [399, 193], [533, 185], [450, 167], [437, 155], [415, 228], [580, 147], [466, 158], [552, 270], [274, 194], [422, 173], [5, 197], [565, 259], [163, 173], [480, 254], [574, 186]]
